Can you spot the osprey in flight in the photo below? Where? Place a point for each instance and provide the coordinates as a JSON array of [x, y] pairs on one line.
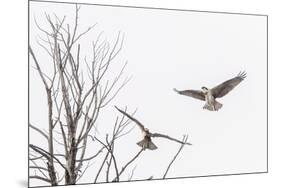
[[146, 142], [210, 95]]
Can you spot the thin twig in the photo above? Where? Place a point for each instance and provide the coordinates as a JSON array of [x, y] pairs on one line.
[[38, 130], [128, 163], [184, 140]]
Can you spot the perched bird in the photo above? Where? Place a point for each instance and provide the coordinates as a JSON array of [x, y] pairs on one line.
[[210, 95], [146, 142]]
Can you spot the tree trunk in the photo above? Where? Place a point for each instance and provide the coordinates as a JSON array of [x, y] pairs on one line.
[[50, 164], [71, 175]]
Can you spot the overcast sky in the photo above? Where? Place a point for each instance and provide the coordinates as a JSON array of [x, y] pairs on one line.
[[168, 49]]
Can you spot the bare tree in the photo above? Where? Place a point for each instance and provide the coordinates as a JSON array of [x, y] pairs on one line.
[[73, 104], [77, 89]]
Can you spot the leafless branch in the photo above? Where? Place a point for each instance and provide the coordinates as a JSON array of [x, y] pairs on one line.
[[108, 146], [41, 169], [128, 163], [92, 157], [38, 68], [101, 167], [46, 154], [38, 167], [40, 131], [36, 158], [132, 174], [184, 141]]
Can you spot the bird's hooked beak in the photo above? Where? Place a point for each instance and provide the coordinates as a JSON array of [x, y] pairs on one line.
[[205, 89]]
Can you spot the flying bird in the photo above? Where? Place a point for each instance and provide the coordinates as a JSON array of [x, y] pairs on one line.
[[210, 95], [146, 142]]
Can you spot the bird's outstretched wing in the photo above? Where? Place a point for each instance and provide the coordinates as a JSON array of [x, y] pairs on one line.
[[225, 87], [192, 93], [131, 118], [167, 137]]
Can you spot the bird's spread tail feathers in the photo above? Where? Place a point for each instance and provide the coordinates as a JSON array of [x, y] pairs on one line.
[[214, 107], [146, 144]]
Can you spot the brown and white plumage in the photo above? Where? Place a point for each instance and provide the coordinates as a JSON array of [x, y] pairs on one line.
[[210, 95], [146, 142], [225, 87], [192, 93]]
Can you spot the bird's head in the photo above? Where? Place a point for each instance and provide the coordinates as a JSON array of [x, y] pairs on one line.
[[205, 89]]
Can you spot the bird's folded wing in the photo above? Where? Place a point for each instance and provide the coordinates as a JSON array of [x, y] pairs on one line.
[[131, 118], [225, 87], [192, 93]]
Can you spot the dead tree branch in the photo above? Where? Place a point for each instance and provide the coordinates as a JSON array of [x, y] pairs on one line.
[[40, 131], [184, 141], [127, 164]]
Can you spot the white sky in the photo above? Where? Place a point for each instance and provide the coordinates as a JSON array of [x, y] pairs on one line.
[[184, 50]]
